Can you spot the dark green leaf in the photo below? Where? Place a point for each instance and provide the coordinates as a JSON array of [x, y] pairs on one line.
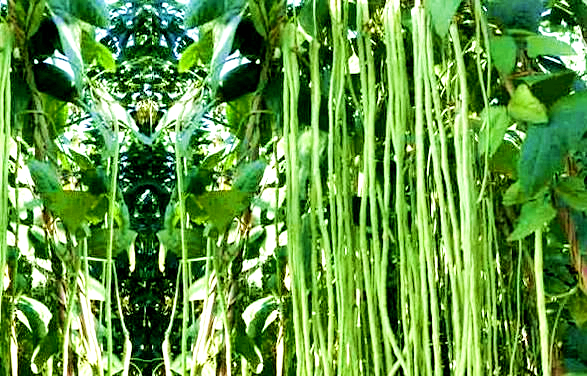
[[244, 345], [258, 315], [34, 315], [314, 16], [541, 156], [441, 12], [524, 106], [194, 241], [572, 191], [550, 87], [249, 176], [543, 45], [505, 160], [94, 12], [48, 346], [503, 53], [98, 242], [533, 217], [44, 176], [568, 118], [199, 12]]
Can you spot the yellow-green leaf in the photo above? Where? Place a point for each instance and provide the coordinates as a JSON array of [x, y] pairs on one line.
[[94, 52], [524, 106]]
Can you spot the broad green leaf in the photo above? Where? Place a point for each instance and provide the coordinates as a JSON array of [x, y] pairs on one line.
[[311, 17], [503, 53], [505, 160], [549, 87], [199, 12], [69, 34], [543, 45], [194, 241], [244, 345], [199, 52], [94, 12], [98, 241], [44, 176], [96, 290], [572, 191], [95, 52], [71, 206], [497, 121], [441, 12], [260, 314], [217, 208], [249, 176], [533, 217], [58, 112], [34, 315], [568, 118], [540, 158], [513, 195], [524, 106], [237, 112], [48, 346]]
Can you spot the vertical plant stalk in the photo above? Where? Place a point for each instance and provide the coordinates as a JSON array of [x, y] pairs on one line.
[[184, 254], [318, 208], [110, 245], [6, 40], [291, 89], [540, 303], [469, 226]]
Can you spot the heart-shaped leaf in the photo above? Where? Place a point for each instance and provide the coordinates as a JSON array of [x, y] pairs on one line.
[[533, 217]]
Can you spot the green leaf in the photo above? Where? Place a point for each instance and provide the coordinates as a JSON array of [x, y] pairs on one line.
[[514, 195], [540, 158], [533, 217], [259, 314], [568, 118], [572, 191], [543, 45], [497, 122], [217, 208], [194, 240], [199, 52], [524, 106], [245, 346], [95, 52], [197, 290], [34, 16], [71, 206], [94, 12], [199, 12], [503, 53], [505, 160], [550, 87], [34, 315], [44, 176], [441, 12], [58, 112], [48, 346], [237, 112], [69, 36], [98, 241], [249, 176]]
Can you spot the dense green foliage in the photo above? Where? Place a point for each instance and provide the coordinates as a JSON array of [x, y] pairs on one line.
[[318, 187]]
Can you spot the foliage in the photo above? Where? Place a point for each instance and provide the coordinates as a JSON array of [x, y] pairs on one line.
[[271, 187]]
